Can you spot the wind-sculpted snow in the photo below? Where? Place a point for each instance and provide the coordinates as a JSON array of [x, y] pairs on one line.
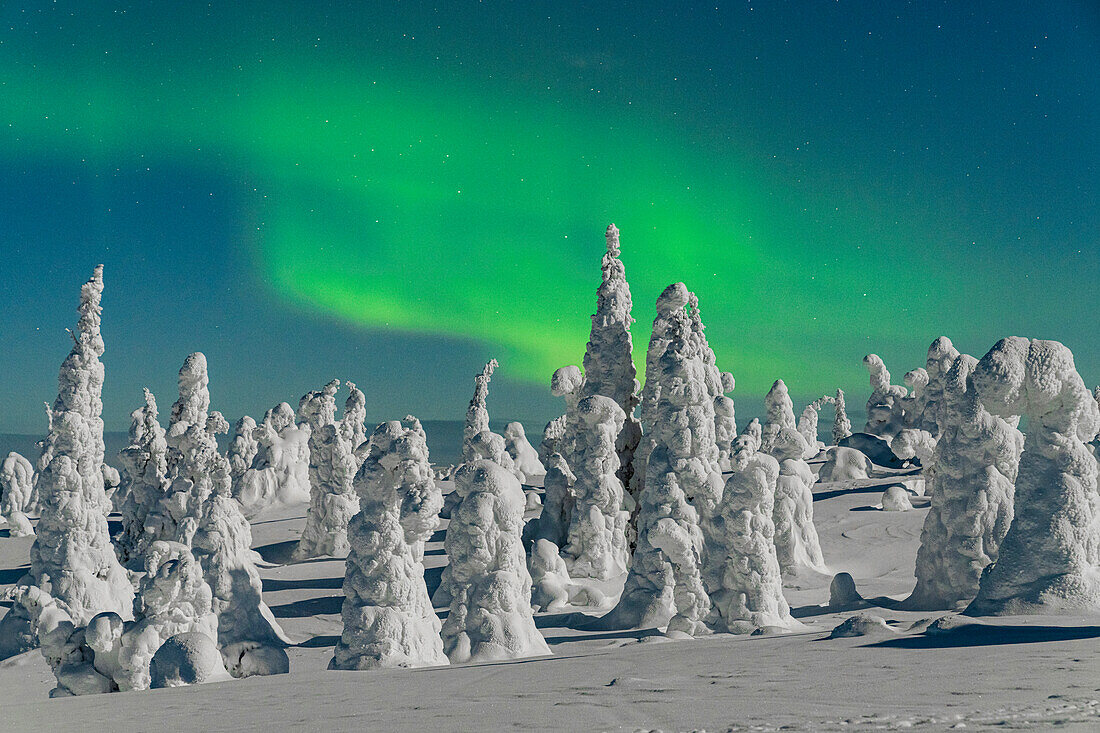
[[17, 494], [280, 471], [844, 464], [741, 569], [885, 407], [942, 355], [388, 618], [145, 480], [332, 467], [242, 448], [490, 616], [551, 439], [842, 426], [353, 424], [550, 581], [796, 542], [72, 559], [596, 539], [477, 414], [190, 658], [608, 362], [1050, 557], [525, 459]]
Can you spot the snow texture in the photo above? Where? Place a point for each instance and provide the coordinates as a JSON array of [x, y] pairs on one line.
[[596, 539], [842, 426], [280, 472], [1050, 557], [885, 407], [72, 557], [332, 468], [17, 494], [608, 362], [145, 481], [796, 541], [525, 459], [477, 414], [388, 618], [490, 616], [742, 570]]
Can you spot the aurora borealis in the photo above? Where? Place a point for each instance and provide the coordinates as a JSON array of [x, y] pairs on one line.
[[392, 193]]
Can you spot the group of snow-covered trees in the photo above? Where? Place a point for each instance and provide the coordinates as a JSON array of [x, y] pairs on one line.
[[650, 488]]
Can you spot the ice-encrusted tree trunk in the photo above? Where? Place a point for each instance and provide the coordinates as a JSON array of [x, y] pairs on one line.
[[72, 558], [596, 539], [332, 467], [1050, 557], [145, 480], [388, 618], [796, 542], [885, 407], [608, 359], [976, 460], [280, 471], [16, 494], [741, 568], [477, 414], [242, 448], [490, 616], [842, 426], [664, 584], [725, 423]]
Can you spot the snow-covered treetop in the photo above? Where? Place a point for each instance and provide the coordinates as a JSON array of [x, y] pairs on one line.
[[778, 406], [81, 376], [194, 397], [317, 408], [353, 426]]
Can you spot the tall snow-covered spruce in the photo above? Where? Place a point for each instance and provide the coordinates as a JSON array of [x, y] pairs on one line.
[[477, 414], [1049, 561], [72, 558], [388, 618], [144, 479]]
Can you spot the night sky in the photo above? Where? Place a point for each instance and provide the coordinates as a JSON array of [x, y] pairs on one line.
[[394, 192]]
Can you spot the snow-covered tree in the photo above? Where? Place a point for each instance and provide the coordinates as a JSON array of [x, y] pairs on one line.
[[16, 494], [741, 568], [725, 423], [941, 357], [842, 426], [976, 461], [807, 425], [490, 614], [477, 414], [242, 448], [280, 471], [353, 423], [332, 467], [524, 457], [145, 481], [558, 501], [885, 407], [1050, 557], [72, 558], [796, 542], [388, 618], [596, 539]]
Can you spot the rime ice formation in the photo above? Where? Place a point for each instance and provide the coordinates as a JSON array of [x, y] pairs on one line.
[[332, 467], [280, 471], [72, 558], [750, 438], [551, 438], [145, 481], [1050, 557], [941, 357], [596, 539], [807, 425], [742, 571], [173, 598], [608, 363], [190, 658], [477, 414], [16, 494], [844, 464], [725, 423], [353, 423], [490, 615], [913, 404], [525, 459], [842, 426], [557, 504], [885, 406], [975, 467], [388, 618], [796, 542], [243, 448], [681, 481]]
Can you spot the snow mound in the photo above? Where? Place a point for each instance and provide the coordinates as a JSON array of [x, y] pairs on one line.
[[190, 658], [863, 624], [844, 464], [896, 499]]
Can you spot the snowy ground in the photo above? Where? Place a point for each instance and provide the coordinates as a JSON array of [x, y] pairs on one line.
[[1018, 672]]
